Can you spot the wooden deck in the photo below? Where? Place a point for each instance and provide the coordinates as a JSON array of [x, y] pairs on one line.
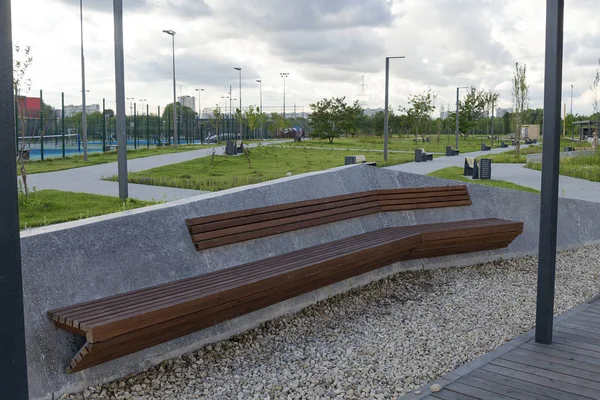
[[568, 369]]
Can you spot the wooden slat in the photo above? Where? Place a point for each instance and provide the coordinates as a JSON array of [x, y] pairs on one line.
[[233, 227]]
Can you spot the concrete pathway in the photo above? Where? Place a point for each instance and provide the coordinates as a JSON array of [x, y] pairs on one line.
[[89, 179], [571, 188]]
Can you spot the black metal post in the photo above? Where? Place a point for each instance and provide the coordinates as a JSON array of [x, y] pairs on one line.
[[41, 129], [147, 126], [135, 125], [103, 125], [13, 361], [62, 117], [550, 168]]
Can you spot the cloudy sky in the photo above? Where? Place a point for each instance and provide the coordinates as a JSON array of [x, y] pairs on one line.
[[326, 46]]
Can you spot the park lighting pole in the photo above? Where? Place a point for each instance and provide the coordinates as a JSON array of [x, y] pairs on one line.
[[175, 138], [121, 128], [386, 111], [142, 101], [83, 91], [239, 69], [457, 94], [284, 75], [571, 99], [13, 361], [260, 111]]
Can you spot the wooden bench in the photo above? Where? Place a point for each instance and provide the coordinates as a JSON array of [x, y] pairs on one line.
[[238, 226], [123, 324]]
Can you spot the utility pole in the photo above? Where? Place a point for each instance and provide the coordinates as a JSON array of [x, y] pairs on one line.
[[121, 127], [284, 75], [175, 137], [83, 92], [386, 123]]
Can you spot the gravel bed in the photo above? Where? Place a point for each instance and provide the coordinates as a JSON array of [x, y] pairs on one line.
[[375, 342]]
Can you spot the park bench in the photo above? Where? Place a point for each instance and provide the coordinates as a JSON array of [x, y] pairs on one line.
[[451, 152], [503, 145], [422, 156], [123, 324], [484, 147]]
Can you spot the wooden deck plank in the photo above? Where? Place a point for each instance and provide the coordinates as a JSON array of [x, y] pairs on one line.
[[450, 395], [560, 351], [476, 392], [555, 364], [539, 390], [500, 389]]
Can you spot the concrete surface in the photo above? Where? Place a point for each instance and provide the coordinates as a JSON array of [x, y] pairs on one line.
[[89, 259]]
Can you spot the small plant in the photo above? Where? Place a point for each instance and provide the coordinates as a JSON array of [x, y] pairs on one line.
[[247, 155]]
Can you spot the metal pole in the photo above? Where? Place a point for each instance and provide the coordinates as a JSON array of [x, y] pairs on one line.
[[41, 130], [550, 169], [241, 133], [571, 99], [103, 125], [13, 362], [261, 123], [135, 125], [492, 123], [62, 117], [121, 129], [386, 110], [83, 92], [456, 134]]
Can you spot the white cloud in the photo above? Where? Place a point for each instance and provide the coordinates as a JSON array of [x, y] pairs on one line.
[[326, 46]]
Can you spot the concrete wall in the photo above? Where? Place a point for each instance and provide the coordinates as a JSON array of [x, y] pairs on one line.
[[90, 259]]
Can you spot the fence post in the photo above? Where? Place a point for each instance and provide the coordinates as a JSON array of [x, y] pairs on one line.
[[147, 126], [159, 131], [62, 117], [134, 125], [41, 129]]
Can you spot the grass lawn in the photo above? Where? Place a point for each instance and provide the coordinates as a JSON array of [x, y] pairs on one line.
[[472, 143], [47, 207], [509, 157], [58, 164], [258, 164], [456, 173], [585, 167]]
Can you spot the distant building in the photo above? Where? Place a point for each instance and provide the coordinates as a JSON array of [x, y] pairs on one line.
[[71, 110], [501, 111], [187, 101], [444, 114]]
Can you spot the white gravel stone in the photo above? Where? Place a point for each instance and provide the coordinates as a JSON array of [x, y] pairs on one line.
[[379, 341]]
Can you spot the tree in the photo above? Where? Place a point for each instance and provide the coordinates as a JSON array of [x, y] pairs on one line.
[[419, 111], [595, 88], [21, 85], [520, 99], [215, 119], [471, 109], [252, 115], [183, 112]]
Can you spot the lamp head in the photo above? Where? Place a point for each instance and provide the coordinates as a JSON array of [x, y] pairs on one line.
[[238, 68], [169, 32]]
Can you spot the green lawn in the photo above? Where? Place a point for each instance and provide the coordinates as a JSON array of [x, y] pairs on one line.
[[258, 164], [47, 207], [58, 164], [509, 157], [472, 143], [456, 173], [585, 167]]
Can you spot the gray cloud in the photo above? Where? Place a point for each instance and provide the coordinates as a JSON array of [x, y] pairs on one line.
[[277, 15], [183, 8]]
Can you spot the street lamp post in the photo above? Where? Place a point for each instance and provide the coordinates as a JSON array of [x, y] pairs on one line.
[[386, 111], [175, 136], [83, 91], [121, 127], [239, 69], [457, 94], [260, 110], [284, 75], [225, 98]]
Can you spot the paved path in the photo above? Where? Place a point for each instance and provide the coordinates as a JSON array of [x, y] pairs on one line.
[[89, 179], [569, 368], [571, 188]]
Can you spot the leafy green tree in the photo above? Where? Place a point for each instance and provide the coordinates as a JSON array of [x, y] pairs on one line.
[[419, 111], [22, 60], [252, 115], [215, 119], [520, 98], [183, 112]]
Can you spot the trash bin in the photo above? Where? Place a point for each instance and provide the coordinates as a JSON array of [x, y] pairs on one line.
[[418, 155], [350, 160], [485, 168]]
